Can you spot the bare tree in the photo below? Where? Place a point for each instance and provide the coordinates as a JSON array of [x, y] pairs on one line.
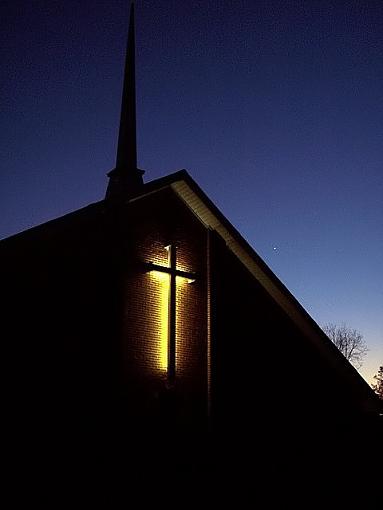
[[349, 341], [378, 387]]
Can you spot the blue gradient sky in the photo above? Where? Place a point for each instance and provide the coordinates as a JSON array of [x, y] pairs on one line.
[[275, 108]]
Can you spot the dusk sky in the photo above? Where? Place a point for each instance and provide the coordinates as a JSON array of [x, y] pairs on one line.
[[275, 108]]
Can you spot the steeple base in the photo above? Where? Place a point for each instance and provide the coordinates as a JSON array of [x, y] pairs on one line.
[[123, 185]]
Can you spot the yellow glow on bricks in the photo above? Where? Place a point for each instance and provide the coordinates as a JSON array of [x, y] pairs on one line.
[[162, 282], [162, 276]]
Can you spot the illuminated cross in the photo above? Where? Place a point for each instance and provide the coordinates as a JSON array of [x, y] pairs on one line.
[[174, 273]]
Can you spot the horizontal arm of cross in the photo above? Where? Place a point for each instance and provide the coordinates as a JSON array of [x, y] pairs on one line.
[[150, 266]]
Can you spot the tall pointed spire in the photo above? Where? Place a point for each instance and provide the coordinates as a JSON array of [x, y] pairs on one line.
[[126, 177]]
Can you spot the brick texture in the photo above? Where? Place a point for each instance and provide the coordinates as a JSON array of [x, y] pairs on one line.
[[158, 221]]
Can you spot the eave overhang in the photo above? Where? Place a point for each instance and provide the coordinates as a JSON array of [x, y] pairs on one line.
[[205, 210]]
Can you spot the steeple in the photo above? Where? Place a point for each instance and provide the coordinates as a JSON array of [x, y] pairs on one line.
[[126, 178]]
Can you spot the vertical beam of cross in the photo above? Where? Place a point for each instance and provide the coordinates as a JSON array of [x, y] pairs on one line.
[[172, 261], [174, 273]]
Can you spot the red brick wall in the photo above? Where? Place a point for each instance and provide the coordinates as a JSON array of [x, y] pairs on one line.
[[80, 322], [157, 221]]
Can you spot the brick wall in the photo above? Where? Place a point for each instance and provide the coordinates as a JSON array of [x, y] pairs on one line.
[[157, 221], [87, 402]]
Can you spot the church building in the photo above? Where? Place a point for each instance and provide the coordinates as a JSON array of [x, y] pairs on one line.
[[145, 339]]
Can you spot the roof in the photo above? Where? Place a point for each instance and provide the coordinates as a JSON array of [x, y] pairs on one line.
[[182, 184], [199, 203]]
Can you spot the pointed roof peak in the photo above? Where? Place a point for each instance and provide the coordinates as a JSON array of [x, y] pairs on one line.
[[125, 178]]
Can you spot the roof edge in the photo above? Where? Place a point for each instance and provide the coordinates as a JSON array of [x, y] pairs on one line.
[[195, 198]]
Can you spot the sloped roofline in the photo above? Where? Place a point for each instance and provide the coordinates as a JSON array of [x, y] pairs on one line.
[[207, 212]]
